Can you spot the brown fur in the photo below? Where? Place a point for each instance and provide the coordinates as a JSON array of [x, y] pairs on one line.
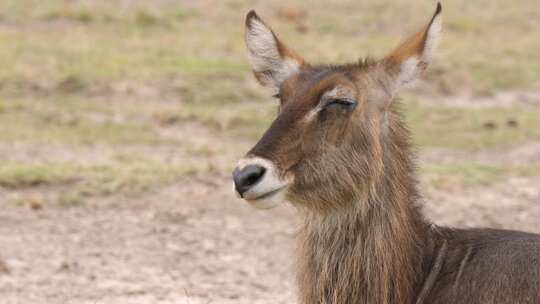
[[364, 239], [357, 251]]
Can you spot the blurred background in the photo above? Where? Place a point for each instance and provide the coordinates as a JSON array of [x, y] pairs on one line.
[[121, 120]]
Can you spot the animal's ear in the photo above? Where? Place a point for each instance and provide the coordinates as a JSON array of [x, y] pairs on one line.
[[271, 60], [411, 58]]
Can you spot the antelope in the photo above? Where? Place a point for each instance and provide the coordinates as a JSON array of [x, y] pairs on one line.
[[339, 152]]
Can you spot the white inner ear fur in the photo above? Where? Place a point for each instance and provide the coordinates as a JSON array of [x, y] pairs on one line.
[[409, 72], [411, 68], [264, 54]]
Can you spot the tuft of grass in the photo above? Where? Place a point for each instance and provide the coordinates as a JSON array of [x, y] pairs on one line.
[[13, 176], [83, 16], [143, 18], [71, 199], [71, 84], [183, 14]]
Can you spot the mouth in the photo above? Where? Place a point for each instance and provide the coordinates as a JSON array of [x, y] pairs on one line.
[[266, 195], [268, 200]]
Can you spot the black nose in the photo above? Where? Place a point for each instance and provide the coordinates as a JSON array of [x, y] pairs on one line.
[[247, 177]]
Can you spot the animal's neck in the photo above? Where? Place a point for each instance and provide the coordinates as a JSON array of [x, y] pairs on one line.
[[372, 252]]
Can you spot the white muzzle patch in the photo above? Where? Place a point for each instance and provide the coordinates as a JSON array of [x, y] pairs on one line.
[[269, 191]]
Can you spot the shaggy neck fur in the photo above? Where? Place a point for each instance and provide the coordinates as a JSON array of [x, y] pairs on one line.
[[372, 252]]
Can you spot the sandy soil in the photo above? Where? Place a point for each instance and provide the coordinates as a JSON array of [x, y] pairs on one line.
[[194, 242], [191, 243]]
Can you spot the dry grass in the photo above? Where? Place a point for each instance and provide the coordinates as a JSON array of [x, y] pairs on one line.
[[162, 74]]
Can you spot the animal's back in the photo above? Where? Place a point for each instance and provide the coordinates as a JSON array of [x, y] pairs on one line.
[[489, 266]]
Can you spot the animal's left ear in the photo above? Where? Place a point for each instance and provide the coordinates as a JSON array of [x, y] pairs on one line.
[[411, 58]]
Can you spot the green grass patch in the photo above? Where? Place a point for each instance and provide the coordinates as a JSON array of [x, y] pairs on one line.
[[76, 183], [108, 40], [470, 128], [13, 175], [66, 122], [93, 179], [469, 175]]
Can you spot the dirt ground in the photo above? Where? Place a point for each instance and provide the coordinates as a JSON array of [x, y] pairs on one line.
[[194, 242]]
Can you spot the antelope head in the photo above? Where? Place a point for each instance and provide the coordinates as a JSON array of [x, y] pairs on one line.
[[326, 147]]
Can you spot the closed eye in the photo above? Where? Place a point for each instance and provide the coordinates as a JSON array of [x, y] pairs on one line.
[[341, 102]]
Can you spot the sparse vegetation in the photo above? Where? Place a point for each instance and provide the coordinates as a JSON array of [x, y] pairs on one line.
[[471, 129], [99, 75], [52, 121], [455, 176], [77, 183]]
